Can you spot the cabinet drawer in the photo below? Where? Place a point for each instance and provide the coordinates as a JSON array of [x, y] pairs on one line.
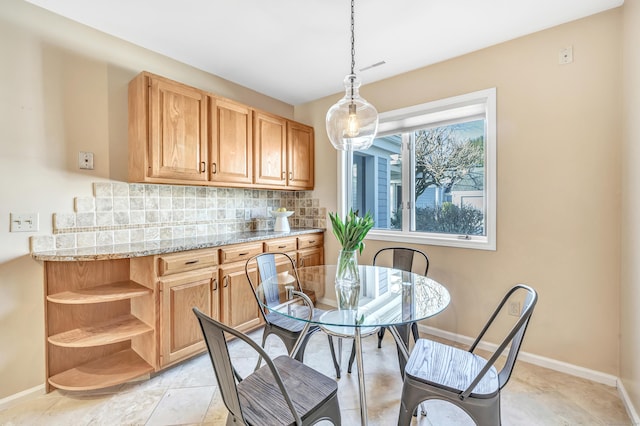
[[187, 261], [281, 245], [312, 240], [239, 253]]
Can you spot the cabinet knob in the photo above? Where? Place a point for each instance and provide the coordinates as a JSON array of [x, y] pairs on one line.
[[284, 175], [203, 167], [214, 283], [226, 281], [214, 168], [290, 175]]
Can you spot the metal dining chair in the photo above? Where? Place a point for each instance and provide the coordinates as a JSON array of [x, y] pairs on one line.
[[283, 392], [406, 259], [403, 258], [439, 371], [287, 329]]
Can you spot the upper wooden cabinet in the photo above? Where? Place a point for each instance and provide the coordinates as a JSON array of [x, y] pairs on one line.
[[270, 143], [167, 131], [300, 155], [179, 134], [231, 148], [284, 152]]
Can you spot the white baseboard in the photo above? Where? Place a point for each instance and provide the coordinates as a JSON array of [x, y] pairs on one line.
[[21, 396], [549, 363], [552, 364], [631, 411]]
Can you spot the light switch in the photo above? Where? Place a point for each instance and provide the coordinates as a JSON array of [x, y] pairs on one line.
[[23, 222]]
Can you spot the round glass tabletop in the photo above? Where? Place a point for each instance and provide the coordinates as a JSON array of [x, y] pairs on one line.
[[385, 296]]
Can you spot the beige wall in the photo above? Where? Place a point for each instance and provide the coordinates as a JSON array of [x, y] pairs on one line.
[[63, 89], [630, 287], [558, 185]]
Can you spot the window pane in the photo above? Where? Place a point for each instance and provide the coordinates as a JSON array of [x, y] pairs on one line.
[[449, 179], [430, 176], [377, 182]]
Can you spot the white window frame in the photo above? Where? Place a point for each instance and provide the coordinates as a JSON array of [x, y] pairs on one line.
[[440, 112]]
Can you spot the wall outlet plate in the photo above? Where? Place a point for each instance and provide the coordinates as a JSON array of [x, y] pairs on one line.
[[565, 56], [23, 222], [85, 160]]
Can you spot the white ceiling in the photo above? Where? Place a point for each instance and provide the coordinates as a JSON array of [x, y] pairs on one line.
[[299, 50]]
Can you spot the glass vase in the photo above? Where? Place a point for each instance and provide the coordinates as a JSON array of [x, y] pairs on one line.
[[347, 280]]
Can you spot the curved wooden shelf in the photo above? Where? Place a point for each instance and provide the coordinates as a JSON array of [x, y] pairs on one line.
[[111, 370], [112, 331], [103, 293]]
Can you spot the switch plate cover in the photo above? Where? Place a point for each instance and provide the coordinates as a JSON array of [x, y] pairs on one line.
[[23, 222]]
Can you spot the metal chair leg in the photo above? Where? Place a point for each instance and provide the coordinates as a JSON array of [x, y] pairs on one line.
[[264, 339], [414, 331], [381, 336], [336, 364], [352, 357]]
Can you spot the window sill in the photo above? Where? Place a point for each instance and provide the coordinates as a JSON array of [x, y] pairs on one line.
[[477, 243]]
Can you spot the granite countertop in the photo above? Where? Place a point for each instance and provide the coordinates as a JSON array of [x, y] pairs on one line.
[[149, 248]]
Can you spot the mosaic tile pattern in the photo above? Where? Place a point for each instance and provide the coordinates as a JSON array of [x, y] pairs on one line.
[[121, 213]]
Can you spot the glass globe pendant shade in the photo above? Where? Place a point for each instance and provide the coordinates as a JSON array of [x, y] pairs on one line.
[[352, 123]]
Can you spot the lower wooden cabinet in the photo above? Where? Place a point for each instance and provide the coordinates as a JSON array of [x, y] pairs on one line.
[[311, 257], [239, 308], [110, 321], [180, 334]]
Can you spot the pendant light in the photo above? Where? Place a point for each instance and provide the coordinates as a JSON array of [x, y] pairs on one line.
[[352, 123]]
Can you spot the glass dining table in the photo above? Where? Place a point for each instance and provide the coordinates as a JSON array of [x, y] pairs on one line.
[[385, 297]]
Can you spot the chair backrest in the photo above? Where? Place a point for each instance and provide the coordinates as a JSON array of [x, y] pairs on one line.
[[513, 338], [213, 332], [404, 258], [267, 265]]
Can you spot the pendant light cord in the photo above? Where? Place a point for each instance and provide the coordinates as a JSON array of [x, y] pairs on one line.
[[353, 45], [353, 39]]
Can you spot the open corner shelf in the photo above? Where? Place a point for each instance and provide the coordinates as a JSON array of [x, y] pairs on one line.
[[111, 370], [103, 293], [113, 330]]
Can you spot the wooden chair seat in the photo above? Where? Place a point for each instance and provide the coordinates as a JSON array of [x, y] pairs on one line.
[[450, 368], [263, 403], [282, 392]]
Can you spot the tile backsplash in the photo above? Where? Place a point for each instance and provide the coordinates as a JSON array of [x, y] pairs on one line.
[[120, 213]]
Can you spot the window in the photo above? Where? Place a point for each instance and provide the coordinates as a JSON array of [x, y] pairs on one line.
[[429, 176]]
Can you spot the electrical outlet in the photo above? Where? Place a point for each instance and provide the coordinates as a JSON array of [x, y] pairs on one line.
[[514, 309], [85, 160], [565, 56], [23, 222]]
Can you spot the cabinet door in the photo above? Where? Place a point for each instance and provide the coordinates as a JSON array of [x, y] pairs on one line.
[[311, 257], [270, 145], [231, 151], [239, 307], [180, 334], [178, 148], [300, 152]]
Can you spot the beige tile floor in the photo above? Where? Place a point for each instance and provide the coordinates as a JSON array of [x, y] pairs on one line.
[[188, 394]]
